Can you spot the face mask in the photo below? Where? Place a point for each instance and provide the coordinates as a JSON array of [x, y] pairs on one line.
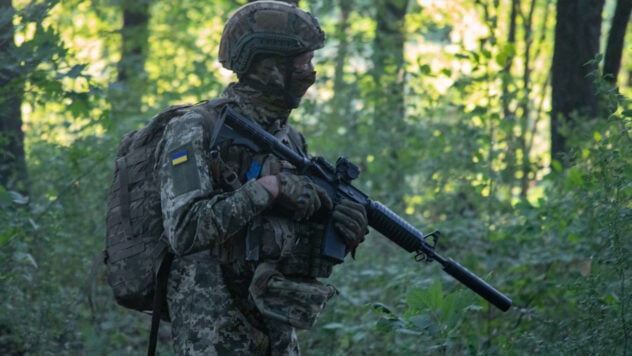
[[271, 76], [299, 83]]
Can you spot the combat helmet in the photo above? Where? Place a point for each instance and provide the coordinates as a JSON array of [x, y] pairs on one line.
[[267, 27]]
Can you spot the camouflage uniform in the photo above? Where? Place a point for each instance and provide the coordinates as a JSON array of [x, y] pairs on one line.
[[215, 305], [208, 314]]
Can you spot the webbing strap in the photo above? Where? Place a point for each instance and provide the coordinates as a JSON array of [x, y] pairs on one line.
[[124, 196], [160, 296], [97, 262]]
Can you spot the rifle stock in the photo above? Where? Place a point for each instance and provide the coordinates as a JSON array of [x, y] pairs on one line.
[[337, 182]]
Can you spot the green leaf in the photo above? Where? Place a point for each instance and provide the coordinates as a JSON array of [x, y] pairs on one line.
[[18, 198], [556, 165], [334, 326], [597, 136], [473, 307], [417, 299], [507, 51], [574, 178], [25, 257], [8, 234], [421, 322], [446, 71], [76, 71], [381, 308], [5, 197], [425, 69], [423, 299], [479, 110]]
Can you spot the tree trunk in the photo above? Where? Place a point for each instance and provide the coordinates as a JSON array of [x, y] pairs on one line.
[[616, 36], [127, 92], [577, 34], [525, 105], [13, 173], [388, 75], [507, 77], [388, 57], [343, 46]]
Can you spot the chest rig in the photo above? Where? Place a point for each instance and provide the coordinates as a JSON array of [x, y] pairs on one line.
[[295, 247]]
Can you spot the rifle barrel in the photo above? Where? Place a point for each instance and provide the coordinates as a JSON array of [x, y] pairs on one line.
[[409, 238], [475, 283]]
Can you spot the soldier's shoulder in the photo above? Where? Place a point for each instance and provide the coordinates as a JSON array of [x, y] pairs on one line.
[[187, 116]]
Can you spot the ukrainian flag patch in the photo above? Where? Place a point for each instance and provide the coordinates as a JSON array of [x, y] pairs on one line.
[[179, 158]]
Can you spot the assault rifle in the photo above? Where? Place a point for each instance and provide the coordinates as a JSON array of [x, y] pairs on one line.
[[337, 182]]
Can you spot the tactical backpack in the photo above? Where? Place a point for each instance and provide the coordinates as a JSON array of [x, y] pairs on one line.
[[137, 259], [136, 256], [134, 249]]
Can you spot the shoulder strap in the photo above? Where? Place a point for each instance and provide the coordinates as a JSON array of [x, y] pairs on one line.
[[160, 297]]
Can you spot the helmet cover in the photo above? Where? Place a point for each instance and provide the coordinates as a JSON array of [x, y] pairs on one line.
[[267, 27]]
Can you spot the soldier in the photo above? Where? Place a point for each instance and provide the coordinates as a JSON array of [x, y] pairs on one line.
[[245, 229]]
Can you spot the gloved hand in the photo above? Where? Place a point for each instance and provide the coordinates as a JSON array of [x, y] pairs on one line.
[[298, 194], [350, 220]]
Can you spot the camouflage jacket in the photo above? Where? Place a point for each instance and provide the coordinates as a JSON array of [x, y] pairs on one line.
[[206, 224], [198, 213]]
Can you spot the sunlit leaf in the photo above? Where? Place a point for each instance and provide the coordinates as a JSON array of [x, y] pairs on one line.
[[557, 165], [597, 136]]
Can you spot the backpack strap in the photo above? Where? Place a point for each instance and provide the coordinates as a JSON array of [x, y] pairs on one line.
[[227, 177], [124, 196], [160, 296]]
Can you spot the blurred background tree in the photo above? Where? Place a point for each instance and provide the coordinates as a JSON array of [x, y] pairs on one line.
[[126, 92]]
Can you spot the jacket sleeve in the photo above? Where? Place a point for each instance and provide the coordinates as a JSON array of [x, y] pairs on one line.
[[194, 218]]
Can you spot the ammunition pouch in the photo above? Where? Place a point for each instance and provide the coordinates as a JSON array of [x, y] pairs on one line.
[[297, 302]]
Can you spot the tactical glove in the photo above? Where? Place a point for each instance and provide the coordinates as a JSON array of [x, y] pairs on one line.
[[302, 197], [350, 220]]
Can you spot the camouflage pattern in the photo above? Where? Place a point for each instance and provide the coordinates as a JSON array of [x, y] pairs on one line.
[[267, 27], [196, 216], [351, 221], [283, 299], [134, 217], [269, 74], [300, 196], [205, 317]]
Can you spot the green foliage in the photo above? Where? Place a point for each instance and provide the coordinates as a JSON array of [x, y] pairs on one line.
[[570, 278], [589, 217]]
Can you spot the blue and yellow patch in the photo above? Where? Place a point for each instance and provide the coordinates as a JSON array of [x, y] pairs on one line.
[[254, 170], [179, 157]]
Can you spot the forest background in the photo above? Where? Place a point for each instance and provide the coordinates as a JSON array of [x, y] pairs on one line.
[[505, 124]]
